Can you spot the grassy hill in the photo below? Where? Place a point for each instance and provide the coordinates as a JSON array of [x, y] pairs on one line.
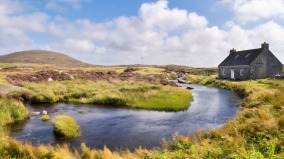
[[42, 57]]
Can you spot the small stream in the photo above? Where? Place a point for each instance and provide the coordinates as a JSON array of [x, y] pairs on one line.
[[123, 127]]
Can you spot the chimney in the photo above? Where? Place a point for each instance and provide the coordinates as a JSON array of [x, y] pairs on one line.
[[232, 51], [265, 45]]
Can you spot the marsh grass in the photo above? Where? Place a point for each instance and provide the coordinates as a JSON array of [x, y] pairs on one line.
[[255, 133], [11, 111], [45, 117], [150, 70], [66, 126], [141, 95]]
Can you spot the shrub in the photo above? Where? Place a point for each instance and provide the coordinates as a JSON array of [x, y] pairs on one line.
[[66, 126]]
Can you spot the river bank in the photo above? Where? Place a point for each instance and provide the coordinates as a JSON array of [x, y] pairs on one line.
[[130, 128]]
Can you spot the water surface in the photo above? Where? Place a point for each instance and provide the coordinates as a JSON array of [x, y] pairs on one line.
[[122, 127]]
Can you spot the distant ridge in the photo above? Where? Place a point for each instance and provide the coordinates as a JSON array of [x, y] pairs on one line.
[[42, 57]]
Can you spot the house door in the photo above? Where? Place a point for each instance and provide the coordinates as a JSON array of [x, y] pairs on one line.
[[232, 74]]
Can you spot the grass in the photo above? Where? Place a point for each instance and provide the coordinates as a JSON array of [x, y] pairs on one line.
[[11, 111], [133, 94], [150, 70], [45, 117], [66, 126], [256, 132]]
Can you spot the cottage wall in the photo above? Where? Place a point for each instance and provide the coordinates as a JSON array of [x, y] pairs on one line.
[[241, 72], [274, 66], [258, 68], [265, 66]]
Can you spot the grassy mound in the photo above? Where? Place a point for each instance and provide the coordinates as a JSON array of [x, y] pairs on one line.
[[45, 117], [66, 126]]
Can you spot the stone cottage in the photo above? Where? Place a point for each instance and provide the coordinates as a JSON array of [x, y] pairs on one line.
[[250, 64]]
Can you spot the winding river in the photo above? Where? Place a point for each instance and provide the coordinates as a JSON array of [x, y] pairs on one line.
[[122, 127]]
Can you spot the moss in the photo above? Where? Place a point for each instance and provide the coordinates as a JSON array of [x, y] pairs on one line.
[[66, 126]]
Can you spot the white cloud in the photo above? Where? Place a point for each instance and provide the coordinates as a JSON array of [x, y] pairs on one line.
[[79, 46], [159, 34], [255, 10]]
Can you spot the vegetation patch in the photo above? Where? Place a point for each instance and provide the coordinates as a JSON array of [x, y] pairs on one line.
[[45, 117], [66, 126], [134, 94], [11, 111]]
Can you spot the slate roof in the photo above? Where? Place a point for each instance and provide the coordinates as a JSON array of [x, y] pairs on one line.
[[244, 57]]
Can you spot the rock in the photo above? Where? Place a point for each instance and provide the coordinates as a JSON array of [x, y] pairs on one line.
[[44, 112], [183, 81], [35, 113], [50, 79], [179, 85], [189, 88]]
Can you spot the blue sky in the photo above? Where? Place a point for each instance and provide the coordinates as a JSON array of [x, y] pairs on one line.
[[111, 32]]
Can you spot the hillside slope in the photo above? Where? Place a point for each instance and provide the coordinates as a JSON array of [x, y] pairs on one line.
[[42, 57]]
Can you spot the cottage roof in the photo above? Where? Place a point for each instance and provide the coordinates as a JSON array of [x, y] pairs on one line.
[[244, 57]]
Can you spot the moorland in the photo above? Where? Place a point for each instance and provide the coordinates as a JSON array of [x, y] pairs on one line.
[[256, 132]]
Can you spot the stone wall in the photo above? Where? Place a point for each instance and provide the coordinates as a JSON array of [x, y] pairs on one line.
[[265, 66], [258, 68], [274, 66], [237, 72]]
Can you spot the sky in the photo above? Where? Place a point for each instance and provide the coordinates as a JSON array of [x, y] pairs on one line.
[[118, 32]]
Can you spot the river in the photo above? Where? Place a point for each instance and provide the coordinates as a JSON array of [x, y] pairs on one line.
[[123, 127]]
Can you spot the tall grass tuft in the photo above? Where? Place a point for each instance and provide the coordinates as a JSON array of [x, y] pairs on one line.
[[11, 111], [66, 126]]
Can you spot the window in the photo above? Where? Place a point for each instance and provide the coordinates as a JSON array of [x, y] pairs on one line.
[[241, 72]]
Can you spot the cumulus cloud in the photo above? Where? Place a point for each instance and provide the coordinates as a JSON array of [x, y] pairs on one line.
[[158, 34], [255, 10]]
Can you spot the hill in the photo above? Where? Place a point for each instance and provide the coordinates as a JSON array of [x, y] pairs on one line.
[[42, 57]]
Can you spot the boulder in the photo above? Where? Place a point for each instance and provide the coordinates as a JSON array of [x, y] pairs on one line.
[[189, 88], [44, 112], [182, 81]]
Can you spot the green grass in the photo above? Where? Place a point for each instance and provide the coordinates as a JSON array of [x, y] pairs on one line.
[[256, 132], [150, 70], [142, 95], [45, 117], [66, 126], [11, 111]]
